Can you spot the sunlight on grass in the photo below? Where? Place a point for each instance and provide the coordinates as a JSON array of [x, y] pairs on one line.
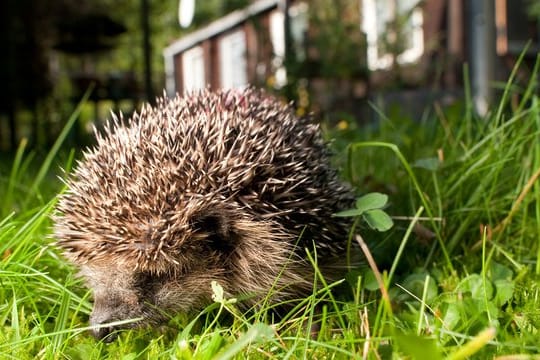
[[458, 267]]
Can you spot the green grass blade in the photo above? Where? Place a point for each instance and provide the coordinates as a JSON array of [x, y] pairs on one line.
[[56, 146]]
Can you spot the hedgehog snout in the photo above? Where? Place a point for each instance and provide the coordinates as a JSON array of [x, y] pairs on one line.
[[99, 330], [103, 333], [111, 308]]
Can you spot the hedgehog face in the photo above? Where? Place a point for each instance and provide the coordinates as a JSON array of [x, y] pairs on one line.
[[148, 299], [243, 256]]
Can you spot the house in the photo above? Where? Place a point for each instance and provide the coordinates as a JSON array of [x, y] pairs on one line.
[[232, 51], [396, 44]]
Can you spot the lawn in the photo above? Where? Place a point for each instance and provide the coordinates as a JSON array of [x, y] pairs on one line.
[[456, 275]]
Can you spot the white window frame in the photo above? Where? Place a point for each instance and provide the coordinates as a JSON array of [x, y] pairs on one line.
[[233, 60], [277, 32], [277, 38], [373, 25], [193, 73], [298, 17], [299, 23]]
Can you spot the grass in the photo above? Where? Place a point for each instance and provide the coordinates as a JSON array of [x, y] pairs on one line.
[[457, 276]]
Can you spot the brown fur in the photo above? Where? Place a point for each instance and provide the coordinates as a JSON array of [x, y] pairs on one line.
[[227, 186]]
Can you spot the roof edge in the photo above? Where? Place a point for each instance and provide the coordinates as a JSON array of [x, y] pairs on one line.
[[218, 26]]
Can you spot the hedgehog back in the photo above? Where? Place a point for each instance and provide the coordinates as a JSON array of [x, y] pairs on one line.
[[134, 194]]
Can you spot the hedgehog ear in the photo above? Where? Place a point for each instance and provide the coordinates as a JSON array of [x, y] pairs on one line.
[[221, 235]]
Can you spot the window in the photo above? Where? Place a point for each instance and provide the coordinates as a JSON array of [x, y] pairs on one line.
[[193, 69], [277, 38], [298, 17], [233, 64], [394, 32], [277, 33], [517, 25]]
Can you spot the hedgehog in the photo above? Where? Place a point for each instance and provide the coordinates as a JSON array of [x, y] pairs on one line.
[[226, 186]]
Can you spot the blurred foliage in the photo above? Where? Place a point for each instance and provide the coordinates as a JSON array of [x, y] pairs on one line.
[[335, 39], [48, 44], [533, 8], [209, 10], [127, 55], [164, 29]]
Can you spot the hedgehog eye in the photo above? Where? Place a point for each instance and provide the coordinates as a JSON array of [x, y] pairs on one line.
[[147, 283], [218, 230]]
